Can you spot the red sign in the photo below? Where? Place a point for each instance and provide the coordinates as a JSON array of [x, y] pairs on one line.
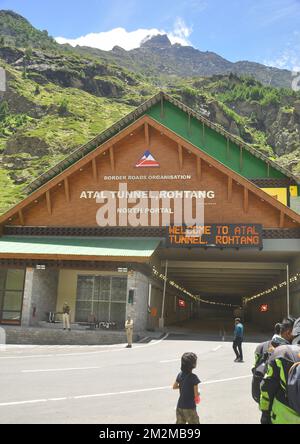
[[181, 303], [263, 308]]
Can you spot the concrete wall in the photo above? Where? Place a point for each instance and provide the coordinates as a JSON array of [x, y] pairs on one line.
[[155, 306], [143, 313], [40, 295], [277, 310], [52, 337], [277, 301], [139, 309], [175, 314]]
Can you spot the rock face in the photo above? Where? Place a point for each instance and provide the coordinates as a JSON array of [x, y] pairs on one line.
[[24, 144], [156, 42], [158, 56]]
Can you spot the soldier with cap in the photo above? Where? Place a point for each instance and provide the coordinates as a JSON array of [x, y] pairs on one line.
[[66, 316], [129, 331], [279, 399]]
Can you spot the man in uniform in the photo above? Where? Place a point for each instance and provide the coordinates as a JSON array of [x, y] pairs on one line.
[[129, 331], [66, 316], [274, 402]]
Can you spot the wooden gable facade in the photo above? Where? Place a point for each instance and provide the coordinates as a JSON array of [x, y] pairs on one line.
[[60, 202]]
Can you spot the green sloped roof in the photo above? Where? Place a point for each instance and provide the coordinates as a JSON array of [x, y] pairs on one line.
[[155, 108], [114, 247]]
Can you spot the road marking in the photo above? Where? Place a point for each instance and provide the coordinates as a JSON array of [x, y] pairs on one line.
[[226, 380], [127, 392], [60, 369], [102, 395], [200, 354], [89, 353]]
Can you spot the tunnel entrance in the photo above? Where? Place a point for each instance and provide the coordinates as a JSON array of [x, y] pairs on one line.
[[260, 286]]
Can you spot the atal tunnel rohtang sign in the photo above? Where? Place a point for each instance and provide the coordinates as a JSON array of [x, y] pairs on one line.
[[215, 235]]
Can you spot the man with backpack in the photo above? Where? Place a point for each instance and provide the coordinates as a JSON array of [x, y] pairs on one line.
[[265, 349], [280, 388]]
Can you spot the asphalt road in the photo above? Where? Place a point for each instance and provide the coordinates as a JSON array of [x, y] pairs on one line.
[[115, 385]]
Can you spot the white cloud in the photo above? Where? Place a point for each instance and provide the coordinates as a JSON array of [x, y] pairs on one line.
[[129, 39], [180, 33], [289, 57], [285, 60]]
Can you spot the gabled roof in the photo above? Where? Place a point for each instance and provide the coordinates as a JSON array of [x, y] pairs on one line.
[[44, 190], [132, 117]]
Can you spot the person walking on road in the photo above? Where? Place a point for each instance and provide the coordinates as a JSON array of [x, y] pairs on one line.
[[187, 383], [129, 331], [238, 340], [280, 388], [66, 316]]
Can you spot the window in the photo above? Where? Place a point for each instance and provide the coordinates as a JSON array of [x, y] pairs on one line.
[[101, 296], [11, 295]]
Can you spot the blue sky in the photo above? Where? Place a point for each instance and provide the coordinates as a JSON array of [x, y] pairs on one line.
[[266, 31]]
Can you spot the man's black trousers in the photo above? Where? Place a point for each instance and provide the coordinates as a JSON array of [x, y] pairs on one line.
[[237, 347]]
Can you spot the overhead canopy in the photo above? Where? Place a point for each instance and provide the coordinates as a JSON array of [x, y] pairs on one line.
[[139, 250]]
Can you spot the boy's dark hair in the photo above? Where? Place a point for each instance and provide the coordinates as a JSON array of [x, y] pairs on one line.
[[188, 362], [287, 324], [277, 328]]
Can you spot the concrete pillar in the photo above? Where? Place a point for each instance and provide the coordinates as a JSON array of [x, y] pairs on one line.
[[40, 295], [27, 297], [139, 309]]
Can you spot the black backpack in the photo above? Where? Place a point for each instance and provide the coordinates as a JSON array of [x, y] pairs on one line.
[[259, 372], [293, 387]]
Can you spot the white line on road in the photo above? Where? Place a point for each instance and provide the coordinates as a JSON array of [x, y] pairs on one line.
[[177, 359], [59, 369], [225, 380], [101, 395]]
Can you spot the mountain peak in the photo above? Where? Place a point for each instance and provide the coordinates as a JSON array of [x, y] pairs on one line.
[[157, 41], [12, 14], [18, 31]]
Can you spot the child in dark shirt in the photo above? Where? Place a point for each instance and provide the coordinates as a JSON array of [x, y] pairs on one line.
[[187, 383]]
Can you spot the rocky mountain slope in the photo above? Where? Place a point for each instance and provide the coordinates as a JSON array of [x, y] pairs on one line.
[[159, 58], [57, 99]]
